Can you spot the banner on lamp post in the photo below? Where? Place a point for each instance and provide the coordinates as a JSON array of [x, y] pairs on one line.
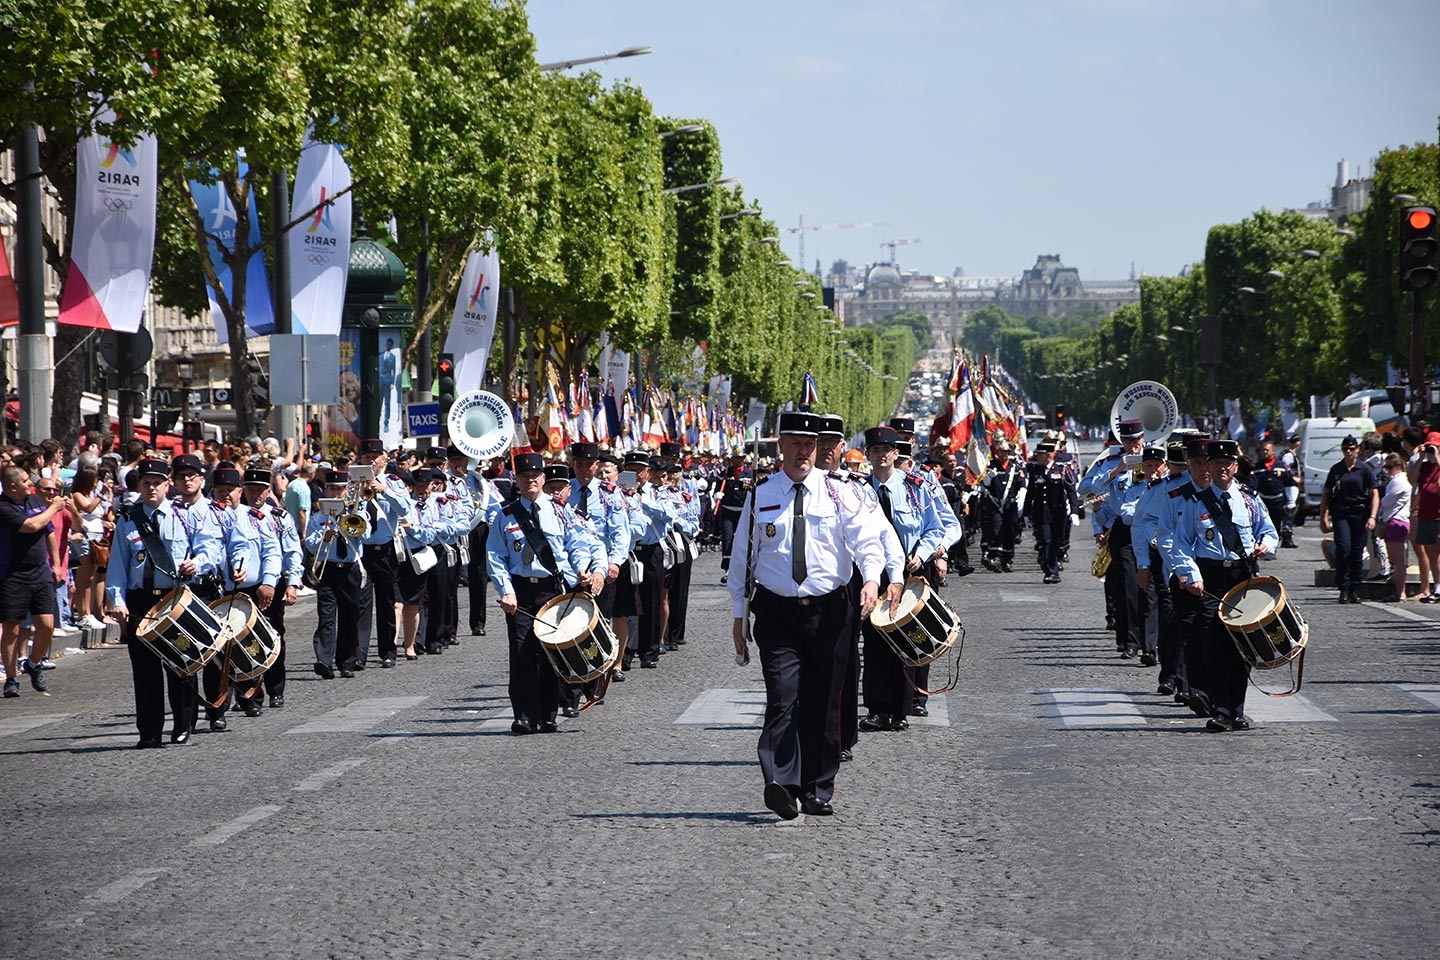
[[218, 214], [472, 325], [320, 246]]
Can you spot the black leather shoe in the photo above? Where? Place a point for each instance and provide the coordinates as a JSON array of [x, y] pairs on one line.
[[817, 808], [477, 631], [648, 665], [1240, 723], [919, 711], [1344, 597], [1165, 689], [251, 708], [779, 800], [147, 744], [1148, 659], [899, 723], [347, 673], [1127, 654], [324, 671], [570, 712], [276, 702], [358, 665], [1199, 704], [875, 722], [1354, 596], [546, 726], [1218, 725], [180, 737], [846, 755], [520, 727], [627, 662], [435, 649], [387, 663], [219, 725], [617, 676]]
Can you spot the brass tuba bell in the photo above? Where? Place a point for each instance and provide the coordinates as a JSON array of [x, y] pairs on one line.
[[353, 526]]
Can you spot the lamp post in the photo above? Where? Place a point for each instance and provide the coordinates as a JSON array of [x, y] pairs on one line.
[[684, 128], [185, 373], [699, 186], [637, 51]]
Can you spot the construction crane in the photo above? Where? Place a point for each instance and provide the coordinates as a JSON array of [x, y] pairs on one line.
[[803, 228], [892, 244]]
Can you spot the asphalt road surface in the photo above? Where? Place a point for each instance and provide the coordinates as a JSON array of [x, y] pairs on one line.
[[1051, 806]]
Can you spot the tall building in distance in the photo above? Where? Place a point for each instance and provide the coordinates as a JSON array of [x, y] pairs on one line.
[[1048, 288]]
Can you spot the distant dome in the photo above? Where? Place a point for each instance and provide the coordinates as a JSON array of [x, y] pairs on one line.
[[882, 273]]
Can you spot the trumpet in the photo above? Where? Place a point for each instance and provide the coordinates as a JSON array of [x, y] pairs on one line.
[[352, 523]]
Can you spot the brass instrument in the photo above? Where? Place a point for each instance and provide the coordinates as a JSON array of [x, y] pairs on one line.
[[1101, 564], [352, 523], [333, 509]]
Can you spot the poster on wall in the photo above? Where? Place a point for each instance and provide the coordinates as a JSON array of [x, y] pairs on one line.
[[344, 420], [392, 378]]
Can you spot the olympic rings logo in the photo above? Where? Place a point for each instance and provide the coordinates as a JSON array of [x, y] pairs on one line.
[[317, 258], [117, 205]]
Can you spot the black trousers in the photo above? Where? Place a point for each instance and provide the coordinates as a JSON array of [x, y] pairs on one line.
[[452, 598], [1173, 666], [252, 690], [1190, 619], [1047, 540], [1283, 519], [648, 593], [275, 676], [1227, 671], [679, 593], [999, 533], [728, 520], [383, 569], [435, 612], [337, 608], [153, 680], [534, 687], [804, 649], [478, 576], [1350, 539], [850, 690], [888, 690]]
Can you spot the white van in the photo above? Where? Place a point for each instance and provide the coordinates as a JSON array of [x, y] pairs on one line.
[[1320, 449]]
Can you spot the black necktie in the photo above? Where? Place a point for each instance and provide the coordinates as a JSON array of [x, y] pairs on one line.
[[885, 502], [797, 532], [584, 510]]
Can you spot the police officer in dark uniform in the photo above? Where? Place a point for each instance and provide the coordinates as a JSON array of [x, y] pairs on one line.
[[532, 556], [151, 553], [1279, 491], [1003, 497], [801, 533], [733, 491]]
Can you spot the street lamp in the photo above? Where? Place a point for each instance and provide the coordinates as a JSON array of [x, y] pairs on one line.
[[686, 128], [700, 186], [567, 64], [747, 212], [185, 373]]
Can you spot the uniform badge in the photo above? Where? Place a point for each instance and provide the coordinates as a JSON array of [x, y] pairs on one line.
[[140, 556], [769, 529], [519, 544], [1210, 534]]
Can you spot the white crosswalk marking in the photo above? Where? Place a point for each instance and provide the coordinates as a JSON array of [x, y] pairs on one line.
[[1429, 692], [1096, 708], [726, 708], [10, 726], [357, 716], [746, 708], [1296, 709], [1016, 596], [239, 825], [1402, 613]]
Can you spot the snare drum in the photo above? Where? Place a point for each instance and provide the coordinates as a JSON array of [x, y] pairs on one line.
[[1262, 620], [921, 629], [183, 632], [254, 644], [576, 637]]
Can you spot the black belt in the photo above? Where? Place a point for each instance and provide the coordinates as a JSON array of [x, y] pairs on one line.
[[537, 582], [802, 601], [1203, 562]]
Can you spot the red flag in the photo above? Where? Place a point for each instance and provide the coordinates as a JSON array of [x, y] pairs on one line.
[[9, 298]]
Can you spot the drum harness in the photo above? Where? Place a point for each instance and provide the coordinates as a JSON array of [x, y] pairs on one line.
[[1230, 536], [156, 547]]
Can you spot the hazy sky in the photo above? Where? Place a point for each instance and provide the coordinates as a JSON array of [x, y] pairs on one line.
[[1107, 131]]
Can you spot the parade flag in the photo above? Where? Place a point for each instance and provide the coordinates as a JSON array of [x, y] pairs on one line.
[[114, 246], [652, 431], [809, 396], [1288, 416], [320, 245], [9, 297], [614, 364], [472, 326], [962, 413], [522, 436], [218, 214]]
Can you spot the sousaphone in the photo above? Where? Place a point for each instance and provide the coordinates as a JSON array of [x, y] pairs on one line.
[[481, 425], [1152, 404]]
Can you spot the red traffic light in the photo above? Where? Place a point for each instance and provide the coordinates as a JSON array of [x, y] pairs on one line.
[[446, 368], [1420, 219]]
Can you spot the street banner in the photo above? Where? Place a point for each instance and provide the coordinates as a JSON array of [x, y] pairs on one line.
[[9, 297], [472, 326], [614, 365], [218, 214], [114, 245], [320, 245]]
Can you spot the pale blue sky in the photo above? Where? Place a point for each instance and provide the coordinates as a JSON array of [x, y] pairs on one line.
[[1108, 131]]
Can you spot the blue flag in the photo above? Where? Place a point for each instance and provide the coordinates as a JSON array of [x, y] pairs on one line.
[[219, 219]]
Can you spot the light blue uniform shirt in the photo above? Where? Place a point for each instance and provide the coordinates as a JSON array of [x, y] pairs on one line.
[[652, 517], [1197, 536], [508, 553], [913, 515], [1145, 525], [252, 548], [605, 505], [199, 541]]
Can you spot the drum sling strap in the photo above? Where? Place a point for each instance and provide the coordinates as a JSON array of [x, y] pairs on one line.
[[155, 547], [1220, 513], [534, 536]]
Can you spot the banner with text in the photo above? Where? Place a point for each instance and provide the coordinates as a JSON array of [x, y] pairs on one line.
[[472, 326], [320, 246], [114, 245]]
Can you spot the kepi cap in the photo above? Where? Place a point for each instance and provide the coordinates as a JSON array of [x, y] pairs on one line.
[[529, 463], [584, 448], [1130, 429], [903, 424], [256, 475], [831, 426], [153, 468], [1223, 450], [225, 477], [186, 461], [1153, 453], [881, 437], [372, 445], [797, 423]]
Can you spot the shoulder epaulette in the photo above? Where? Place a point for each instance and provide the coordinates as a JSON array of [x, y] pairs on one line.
[[913, 478]]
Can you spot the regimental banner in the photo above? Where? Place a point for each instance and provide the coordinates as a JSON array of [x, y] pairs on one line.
[[320, 245], [218, 215], [114, 246], [472, 326]]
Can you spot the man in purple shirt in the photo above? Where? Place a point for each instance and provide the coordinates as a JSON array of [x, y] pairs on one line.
[[27, 583]]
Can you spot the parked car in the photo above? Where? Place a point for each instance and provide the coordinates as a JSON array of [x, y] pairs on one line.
[[1376, 405], [1320, 449]]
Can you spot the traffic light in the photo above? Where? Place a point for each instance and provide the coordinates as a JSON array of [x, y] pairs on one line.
[[1059, 416], [259, 384], [165, 420], [445, 393], [1419, 240]]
